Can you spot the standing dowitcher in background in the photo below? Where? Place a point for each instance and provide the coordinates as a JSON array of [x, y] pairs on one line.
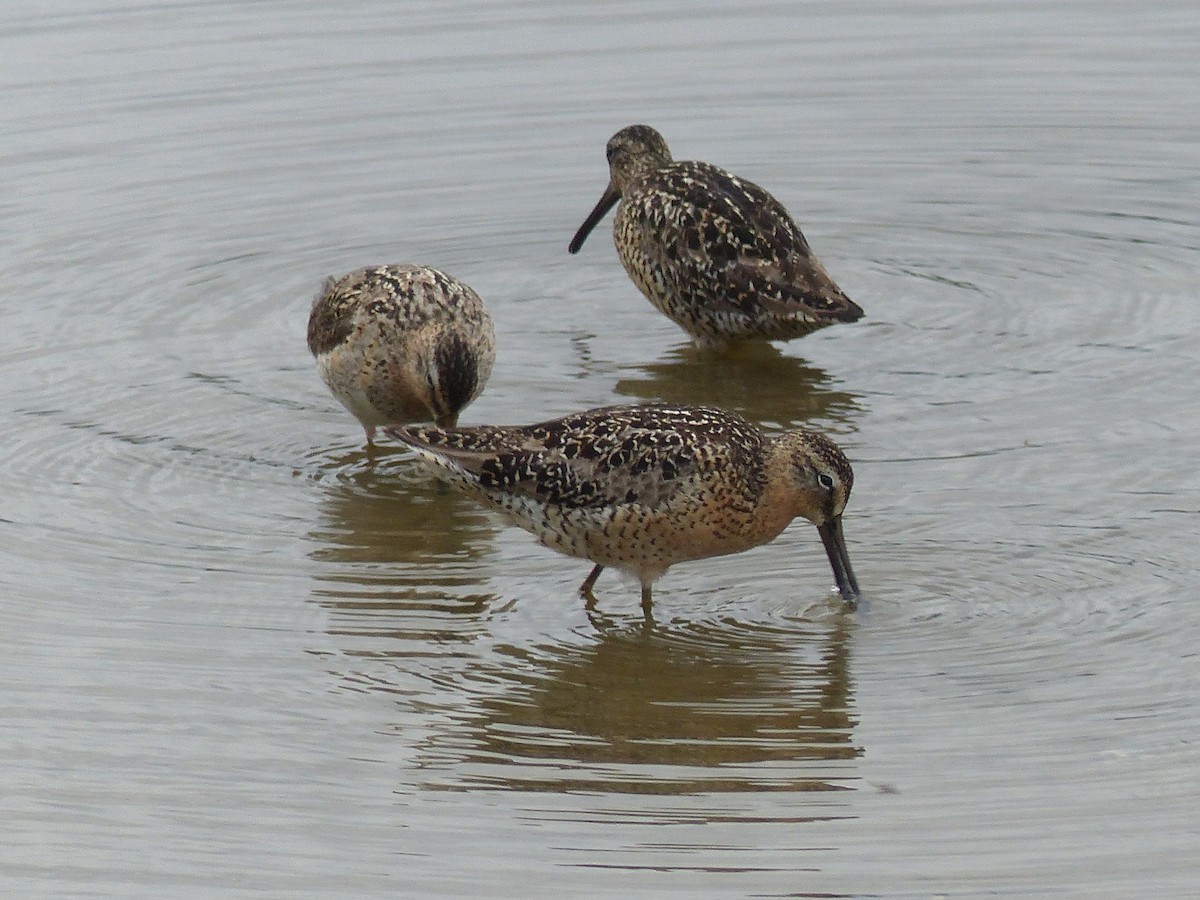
[[716, 253], [640, 488], [401, 344]]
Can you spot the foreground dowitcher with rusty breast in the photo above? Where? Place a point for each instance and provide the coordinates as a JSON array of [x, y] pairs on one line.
[[401, 343], [714, 252], [641, 488]]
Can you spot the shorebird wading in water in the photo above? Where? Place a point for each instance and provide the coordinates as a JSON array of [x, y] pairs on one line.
[[401, 343], [640, 488], [712, 251]]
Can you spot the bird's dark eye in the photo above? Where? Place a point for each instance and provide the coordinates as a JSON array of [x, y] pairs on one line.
[[825, 481]]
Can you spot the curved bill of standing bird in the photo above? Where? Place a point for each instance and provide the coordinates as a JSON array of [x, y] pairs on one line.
[[607, 201], [839, 559]]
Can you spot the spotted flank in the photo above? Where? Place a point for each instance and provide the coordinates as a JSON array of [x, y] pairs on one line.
[[641, 488], [714, 252], [401, 343]]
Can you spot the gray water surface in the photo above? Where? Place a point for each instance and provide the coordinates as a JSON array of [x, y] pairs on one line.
[[241, 658]]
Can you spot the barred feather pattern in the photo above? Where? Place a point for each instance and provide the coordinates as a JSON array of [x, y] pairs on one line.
[[401, 343], [716, 253], [641, 487]]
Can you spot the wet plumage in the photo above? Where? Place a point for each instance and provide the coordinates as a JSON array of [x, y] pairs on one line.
[[641, 488], [401, 343], [714, 252]]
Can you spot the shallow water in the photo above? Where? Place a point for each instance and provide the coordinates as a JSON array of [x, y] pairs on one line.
[[243, 658]]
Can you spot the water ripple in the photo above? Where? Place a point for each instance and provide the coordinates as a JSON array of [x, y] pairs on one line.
[[216, 594]]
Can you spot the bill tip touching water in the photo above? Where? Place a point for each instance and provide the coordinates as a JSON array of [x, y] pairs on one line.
[[637, 488], [401, 343], [714, 252], [640, 488]]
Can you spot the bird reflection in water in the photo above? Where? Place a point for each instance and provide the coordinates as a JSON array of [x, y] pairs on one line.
[[755, 380], [716, 706], [391, 545]]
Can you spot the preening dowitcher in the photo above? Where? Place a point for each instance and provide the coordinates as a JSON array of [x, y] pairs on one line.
[[712, 251], [401, 344], [640, 488]]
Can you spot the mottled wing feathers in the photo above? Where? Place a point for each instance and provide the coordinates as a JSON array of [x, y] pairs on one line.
[[726, 233], [754, 224], [601, 458]]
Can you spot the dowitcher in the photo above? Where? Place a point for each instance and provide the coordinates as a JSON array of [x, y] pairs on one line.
[[401, 343], [714, 252], [640, 488]]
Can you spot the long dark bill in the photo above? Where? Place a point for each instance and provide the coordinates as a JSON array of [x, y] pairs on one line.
[[835, 548], [607, 201]]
